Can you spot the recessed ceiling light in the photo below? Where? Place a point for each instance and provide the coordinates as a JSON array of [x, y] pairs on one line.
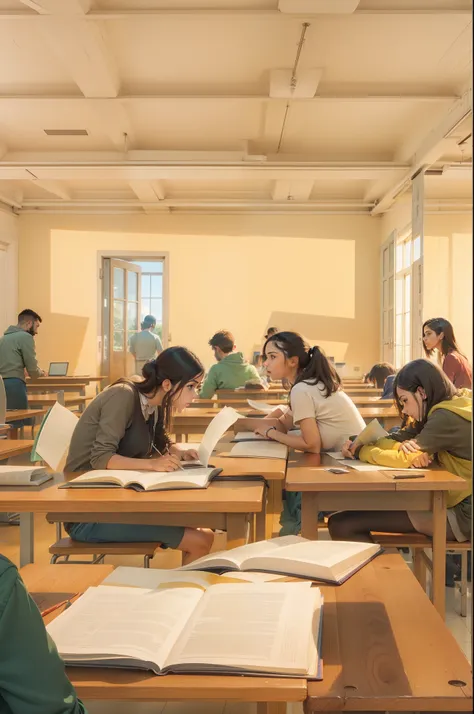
[[66, 132]]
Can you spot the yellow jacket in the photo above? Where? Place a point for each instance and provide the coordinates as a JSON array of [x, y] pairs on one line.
[[386, 452]]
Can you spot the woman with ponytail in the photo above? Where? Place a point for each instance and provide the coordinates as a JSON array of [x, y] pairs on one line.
[[126, 427], [319, 408]]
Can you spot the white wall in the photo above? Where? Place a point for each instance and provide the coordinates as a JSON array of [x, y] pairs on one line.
[[8, 269]]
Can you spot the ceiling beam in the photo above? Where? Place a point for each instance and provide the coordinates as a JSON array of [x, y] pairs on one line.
[[292, 191], [54, 187], [429, 150], [147, 195]]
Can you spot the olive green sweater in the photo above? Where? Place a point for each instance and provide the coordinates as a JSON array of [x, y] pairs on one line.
[[17, 353]]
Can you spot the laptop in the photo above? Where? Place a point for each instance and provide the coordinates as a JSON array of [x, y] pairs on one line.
[[58, 369]]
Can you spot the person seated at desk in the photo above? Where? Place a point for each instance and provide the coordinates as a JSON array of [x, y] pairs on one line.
[[318, 407], [442, 418], [17, 356], [382, 376], [32, 676], [145, 345], [125, 427], [231, 370], [438, 337]]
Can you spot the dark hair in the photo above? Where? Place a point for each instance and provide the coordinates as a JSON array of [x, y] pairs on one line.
[[148, 321], [313, 365], [180, 366], [440, 325], [27, 315], [379, 373], [224, 340], [271, 331], [427, 375]]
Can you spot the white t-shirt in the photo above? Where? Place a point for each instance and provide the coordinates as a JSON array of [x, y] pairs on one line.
[[337, 416]]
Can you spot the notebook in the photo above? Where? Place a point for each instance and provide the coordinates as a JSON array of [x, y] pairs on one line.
[[251, 436], [259, 450], [270, 629], [329, 561], [144, 480], [372, 433], [23, 476]]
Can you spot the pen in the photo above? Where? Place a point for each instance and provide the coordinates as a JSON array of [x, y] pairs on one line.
[[67, 604], [160, 454]]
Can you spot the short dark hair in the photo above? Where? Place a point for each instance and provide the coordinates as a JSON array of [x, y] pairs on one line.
[[224, 340], [379, 373], [27, 315], [271, 331], [148, 321]]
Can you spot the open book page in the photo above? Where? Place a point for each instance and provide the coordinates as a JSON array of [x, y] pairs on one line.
[[323, 560], [113, 623], [336, 455], [266, 408], [236, 556], [248, 436], [22, 475], [259, 450], [154, 578], [215, 431], [266, 628], [148, 480], [56, 435], [372, 432]]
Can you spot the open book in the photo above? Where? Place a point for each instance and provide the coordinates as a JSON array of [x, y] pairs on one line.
[[259, 450], [266, 629], [144, 480], [330, 561], [372, 433], [251, 436], [23, 476], [214, 432], [152, 578]]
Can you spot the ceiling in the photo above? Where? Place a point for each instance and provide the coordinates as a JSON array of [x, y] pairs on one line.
[[263, 106]]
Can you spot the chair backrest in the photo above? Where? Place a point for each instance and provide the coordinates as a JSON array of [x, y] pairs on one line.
[[3, 402], [54, 436]]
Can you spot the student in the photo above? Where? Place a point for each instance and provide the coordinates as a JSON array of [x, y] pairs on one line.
[[318, 407], [231, 370], [438, 334], [17, 354], [382, 376], [271, 331], [442, 431], [145, 345], [125, 427], [32, 676]]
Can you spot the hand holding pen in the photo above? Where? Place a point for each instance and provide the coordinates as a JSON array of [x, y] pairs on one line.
[[166, 462]]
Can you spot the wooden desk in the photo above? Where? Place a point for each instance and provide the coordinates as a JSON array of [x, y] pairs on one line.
[[373, 491], [224, 505], [194, 420], [235, 402], [363, 390], [49, 400], [50, 386], [385, 648], [263, 394], [371, 401], [387, 416], [6, 430], [49, 583], [66, 383], [20, 414], [14, 447]]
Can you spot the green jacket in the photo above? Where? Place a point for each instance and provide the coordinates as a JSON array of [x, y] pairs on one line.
[[231, 372], [17, 353], [32, 677]]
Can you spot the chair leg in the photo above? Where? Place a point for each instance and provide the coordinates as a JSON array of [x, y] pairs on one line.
[[54, 559], [146, 561], [419, 567], [464, 556]]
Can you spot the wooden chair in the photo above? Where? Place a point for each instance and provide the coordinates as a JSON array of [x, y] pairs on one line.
[[418, 543], [65, 548]]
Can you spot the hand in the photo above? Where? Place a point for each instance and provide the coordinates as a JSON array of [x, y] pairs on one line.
[[409, 447], [348, 449], [189, 455], [262, 430], [421, 461], [168, 462]]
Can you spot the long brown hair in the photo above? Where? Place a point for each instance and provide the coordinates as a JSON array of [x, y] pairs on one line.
[[427, 375], [180, 366], [440, 325], [313, 365]]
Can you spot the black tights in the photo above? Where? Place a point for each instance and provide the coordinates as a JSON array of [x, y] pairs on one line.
[[357, 525]]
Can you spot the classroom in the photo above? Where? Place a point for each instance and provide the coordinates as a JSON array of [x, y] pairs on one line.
[[235, 312]]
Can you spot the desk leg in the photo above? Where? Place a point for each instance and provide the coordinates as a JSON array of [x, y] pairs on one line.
[[271, 708], [439, 551], [27, 540], [270, 500], [261, 522], [236, 529], [309, 515]]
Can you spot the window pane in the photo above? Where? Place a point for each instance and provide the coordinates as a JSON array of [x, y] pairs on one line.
[[132, 316], [398, 330], [145, 309], [399, 260], [150, 266], [390, 292], [385, 294], [385, 262], [119, 315], [132, 285], [390, 259], [119, 283], [407, 329], [156, 306], [399, 296], [156, 286], [417, 248], [118, 340], [407, 357], [407, 292], [145, 286], [407, 261], [398, 357]]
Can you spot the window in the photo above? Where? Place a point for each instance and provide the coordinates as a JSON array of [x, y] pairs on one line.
[[152, 292], [406, 252]]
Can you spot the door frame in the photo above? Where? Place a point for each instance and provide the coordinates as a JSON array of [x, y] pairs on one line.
[[129, 255]]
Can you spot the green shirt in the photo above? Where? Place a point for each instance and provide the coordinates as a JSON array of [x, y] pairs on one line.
[[231, 372], [32, 676], [17, 353]]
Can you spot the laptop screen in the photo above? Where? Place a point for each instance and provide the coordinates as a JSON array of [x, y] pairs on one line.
[[58, 369]]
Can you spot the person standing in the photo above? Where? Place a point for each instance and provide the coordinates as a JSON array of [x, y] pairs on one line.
[[17, 358], [145, 345]]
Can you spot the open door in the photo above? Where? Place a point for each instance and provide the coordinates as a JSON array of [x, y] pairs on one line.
[[121, 312]]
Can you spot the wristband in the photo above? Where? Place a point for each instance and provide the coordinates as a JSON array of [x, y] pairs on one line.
[[269, 429]]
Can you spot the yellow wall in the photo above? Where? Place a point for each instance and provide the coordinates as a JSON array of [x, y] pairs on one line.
[[318, 275]]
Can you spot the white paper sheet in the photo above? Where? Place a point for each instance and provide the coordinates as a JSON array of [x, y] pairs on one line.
[[215, 431], [56, 435], [266, 408]]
